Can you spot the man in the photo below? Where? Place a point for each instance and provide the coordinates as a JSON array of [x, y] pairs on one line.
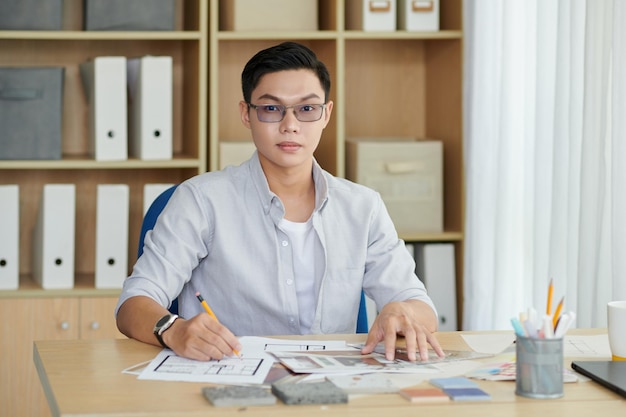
[[277, 245]]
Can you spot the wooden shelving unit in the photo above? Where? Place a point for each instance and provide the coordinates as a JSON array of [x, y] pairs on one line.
[[188, 45]]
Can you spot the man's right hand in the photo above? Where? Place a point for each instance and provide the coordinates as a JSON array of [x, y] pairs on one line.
[[201, 338]]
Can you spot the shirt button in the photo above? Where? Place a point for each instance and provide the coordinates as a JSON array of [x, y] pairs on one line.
[[289, 281], [291, 320], [285, 243]]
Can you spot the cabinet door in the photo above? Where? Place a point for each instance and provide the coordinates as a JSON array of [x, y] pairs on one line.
[[27, 320], [96, 318]]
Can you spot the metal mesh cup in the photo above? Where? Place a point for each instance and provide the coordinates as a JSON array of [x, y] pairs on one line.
[[539, 368]]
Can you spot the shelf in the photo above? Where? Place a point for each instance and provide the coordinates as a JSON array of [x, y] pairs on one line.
[[81, 163], [77, 35], [431, 237], [334, 35], [270, 35], [83, 287], [400, 34]]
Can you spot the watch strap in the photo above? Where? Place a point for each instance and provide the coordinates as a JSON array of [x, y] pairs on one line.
[[160, 339]]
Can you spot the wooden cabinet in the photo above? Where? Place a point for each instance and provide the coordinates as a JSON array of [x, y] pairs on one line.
[[37, 316], [384, 84]]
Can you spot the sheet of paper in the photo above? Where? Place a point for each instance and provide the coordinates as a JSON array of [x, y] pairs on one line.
[[503, 368], [167, 366], [433, 358], [489, 343], [267, 344], [252, 367], [348, 362], [578, 346]]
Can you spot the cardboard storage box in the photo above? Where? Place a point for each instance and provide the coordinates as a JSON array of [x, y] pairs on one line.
[[235, 152], [129, 14], [408, 174], [418, 15], [31, 14], [275, 15], [31, 112], [371, 15]]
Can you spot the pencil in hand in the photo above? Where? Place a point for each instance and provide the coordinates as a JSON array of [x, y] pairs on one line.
[[212, 314], [206, 306]]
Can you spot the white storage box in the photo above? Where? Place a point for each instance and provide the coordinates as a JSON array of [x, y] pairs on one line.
[[235, 152], [408, 173], [418, 15], [371, 15], [275, 15]]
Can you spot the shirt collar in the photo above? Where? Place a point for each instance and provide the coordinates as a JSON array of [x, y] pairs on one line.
[[268, 197]]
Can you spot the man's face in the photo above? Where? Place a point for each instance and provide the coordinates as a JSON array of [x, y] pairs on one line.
[[290, 142]]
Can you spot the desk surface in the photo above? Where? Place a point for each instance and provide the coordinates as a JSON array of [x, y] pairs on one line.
[[84, 377]]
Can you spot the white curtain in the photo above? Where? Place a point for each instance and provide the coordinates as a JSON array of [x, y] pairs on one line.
[[545, 149]]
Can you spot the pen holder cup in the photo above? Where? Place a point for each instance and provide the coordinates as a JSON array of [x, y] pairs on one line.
[[539, 368]]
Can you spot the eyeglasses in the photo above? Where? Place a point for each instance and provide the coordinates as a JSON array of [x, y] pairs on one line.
[[273, 113]]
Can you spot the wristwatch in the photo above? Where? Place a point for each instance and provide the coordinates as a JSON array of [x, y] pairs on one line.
[[162, 325]]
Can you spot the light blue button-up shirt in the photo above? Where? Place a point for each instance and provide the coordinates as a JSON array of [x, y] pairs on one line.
[[219, 234]]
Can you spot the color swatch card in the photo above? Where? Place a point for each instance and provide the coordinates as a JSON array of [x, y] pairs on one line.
[[461, 389], [467, 394], [419, 395]]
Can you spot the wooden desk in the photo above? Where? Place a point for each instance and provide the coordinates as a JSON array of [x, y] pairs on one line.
[[83, 377]]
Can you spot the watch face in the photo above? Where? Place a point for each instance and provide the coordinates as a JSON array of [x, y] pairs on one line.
[[163, 321]]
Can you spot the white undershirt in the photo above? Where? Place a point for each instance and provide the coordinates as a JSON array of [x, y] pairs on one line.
[[303, 240]]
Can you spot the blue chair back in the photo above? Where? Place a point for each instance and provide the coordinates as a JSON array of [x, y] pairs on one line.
[[150, 219]]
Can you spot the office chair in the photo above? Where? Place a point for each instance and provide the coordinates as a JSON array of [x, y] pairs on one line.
[[150, 219]]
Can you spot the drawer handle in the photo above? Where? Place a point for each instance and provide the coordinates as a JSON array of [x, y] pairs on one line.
[[401, 167], [20, 94], [423, 5], [65, 325], [380, 6], [95, 325]]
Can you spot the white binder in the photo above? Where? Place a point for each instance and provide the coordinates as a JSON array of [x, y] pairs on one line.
[[150, 86], [9, 236], [435, 266], [104, 79], [112, 208], [53, 237], [151, 192]]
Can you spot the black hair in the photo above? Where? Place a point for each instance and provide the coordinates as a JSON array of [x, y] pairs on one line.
[[282, 57]]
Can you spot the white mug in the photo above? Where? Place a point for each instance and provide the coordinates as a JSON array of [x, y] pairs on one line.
[[616, 315]]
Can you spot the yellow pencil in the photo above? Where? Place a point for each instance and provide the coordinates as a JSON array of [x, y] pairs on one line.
[[549, 304], [557, 313], [211, 313]]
